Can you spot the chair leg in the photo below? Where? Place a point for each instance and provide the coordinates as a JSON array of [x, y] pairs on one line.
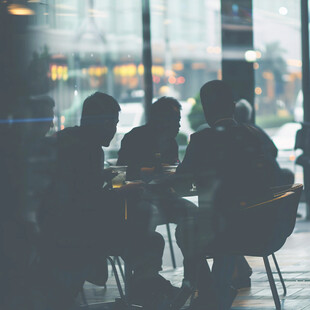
[[118, 283], [272, 284], [279, 273], [171, 246], [83, 297], [120, 267], [128, 275]]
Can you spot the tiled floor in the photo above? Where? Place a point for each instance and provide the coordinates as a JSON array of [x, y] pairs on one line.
[[294, 261]]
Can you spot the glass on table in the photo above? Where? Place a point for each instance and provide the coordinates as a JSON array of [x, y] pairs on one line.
[[120, 177], [169, 169]]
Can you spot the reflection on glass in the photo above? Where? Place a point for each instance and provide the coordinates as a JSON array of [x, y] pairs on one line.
[[278, 63]]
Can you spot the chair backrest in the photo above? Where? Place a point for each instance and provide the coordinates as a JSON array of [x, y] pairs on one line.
[[293, 205], [262, 228]]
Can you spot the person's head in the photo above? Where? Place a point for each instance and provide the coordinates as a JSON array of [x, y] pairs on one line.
[[165, 116], [217, 101], [33, 117], [243, 111], [100, 117]]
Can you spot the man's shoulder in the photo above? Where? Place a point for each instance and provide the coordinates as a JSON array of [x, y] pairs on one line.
[[68, 138], [203, 134], [138, 132]]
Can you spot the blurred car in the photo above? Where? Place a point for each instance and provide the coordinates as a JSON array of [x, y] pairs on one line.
[[284, 139]]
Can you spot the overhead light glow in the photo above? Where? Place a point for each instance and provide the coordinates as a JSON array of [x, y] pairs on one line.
[[283, 10], [18, 9], [250, 56]]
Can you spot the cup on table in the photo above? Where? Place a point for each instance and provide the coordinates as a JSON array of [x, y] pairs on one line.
[[169, 169], [119, 180]]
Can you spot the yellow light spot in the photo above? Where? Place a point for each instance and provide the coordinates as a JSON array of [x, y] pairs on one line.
[[62, 119], [258, 91], [98, 71], [292, 157], [178, 66], [18, 9], [198, 65], [255, 65], [91, 71], [62, 127], [65, 73], [268, 75], [59, 72], [141, 69], [258, 54], [191, 101], [126, 213]]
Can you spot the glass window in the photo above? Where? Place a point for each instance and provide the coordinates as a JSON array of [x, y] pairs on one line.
[[278, 96], [278, 64], [186, 50]]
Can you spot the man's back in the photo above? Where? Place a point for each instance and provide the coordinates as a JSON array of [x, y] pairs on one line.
[[233, 156]]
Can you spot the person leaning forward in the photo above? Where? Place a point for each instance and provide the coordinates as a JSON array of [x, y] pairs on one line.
[[82, 222], [152, 146]]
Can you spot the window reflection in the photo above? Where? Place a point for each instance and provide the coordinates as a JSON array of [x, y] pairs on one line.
[[278, 63]]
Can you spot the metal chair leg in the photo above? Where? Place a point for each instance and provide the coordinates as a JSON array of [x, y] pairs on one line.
[[120, 267], [128, 275], [279, 273], [84, 297], [272, 284], [171, 246], [118, 283]]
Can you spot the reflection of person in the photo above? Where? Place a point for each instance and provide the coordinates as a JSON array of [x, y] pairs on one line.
[[26, 157], [229, 167], [243, 115], [90, 219]]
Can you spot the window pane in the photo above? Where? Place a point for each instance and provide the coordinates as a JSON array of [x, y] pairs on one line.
[[186, 47], [278, 100], [278, 65]]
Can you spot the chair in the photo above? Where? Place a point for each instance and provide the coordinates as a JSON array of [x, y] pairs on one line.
[[122, 302], [261, 229]]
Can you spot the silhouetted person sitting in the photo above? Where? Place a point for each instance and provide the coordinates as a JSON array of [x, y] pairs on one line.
[[243, 115], [144, 146], [83, 222], [229, 168], [153, 145]]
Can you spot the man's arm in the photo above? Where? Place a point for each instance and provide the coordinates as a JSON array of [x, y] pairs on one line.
[[189, 163], [184, 176], [126, 152]]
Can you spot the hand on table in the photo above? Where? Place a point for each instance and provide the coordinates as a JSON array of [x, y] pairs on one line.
[[132, 189]]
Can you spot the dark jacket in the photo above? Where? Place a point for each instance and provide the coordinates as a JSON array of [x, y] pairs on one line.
[[77, 207], [229, 165], [138, 149]]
